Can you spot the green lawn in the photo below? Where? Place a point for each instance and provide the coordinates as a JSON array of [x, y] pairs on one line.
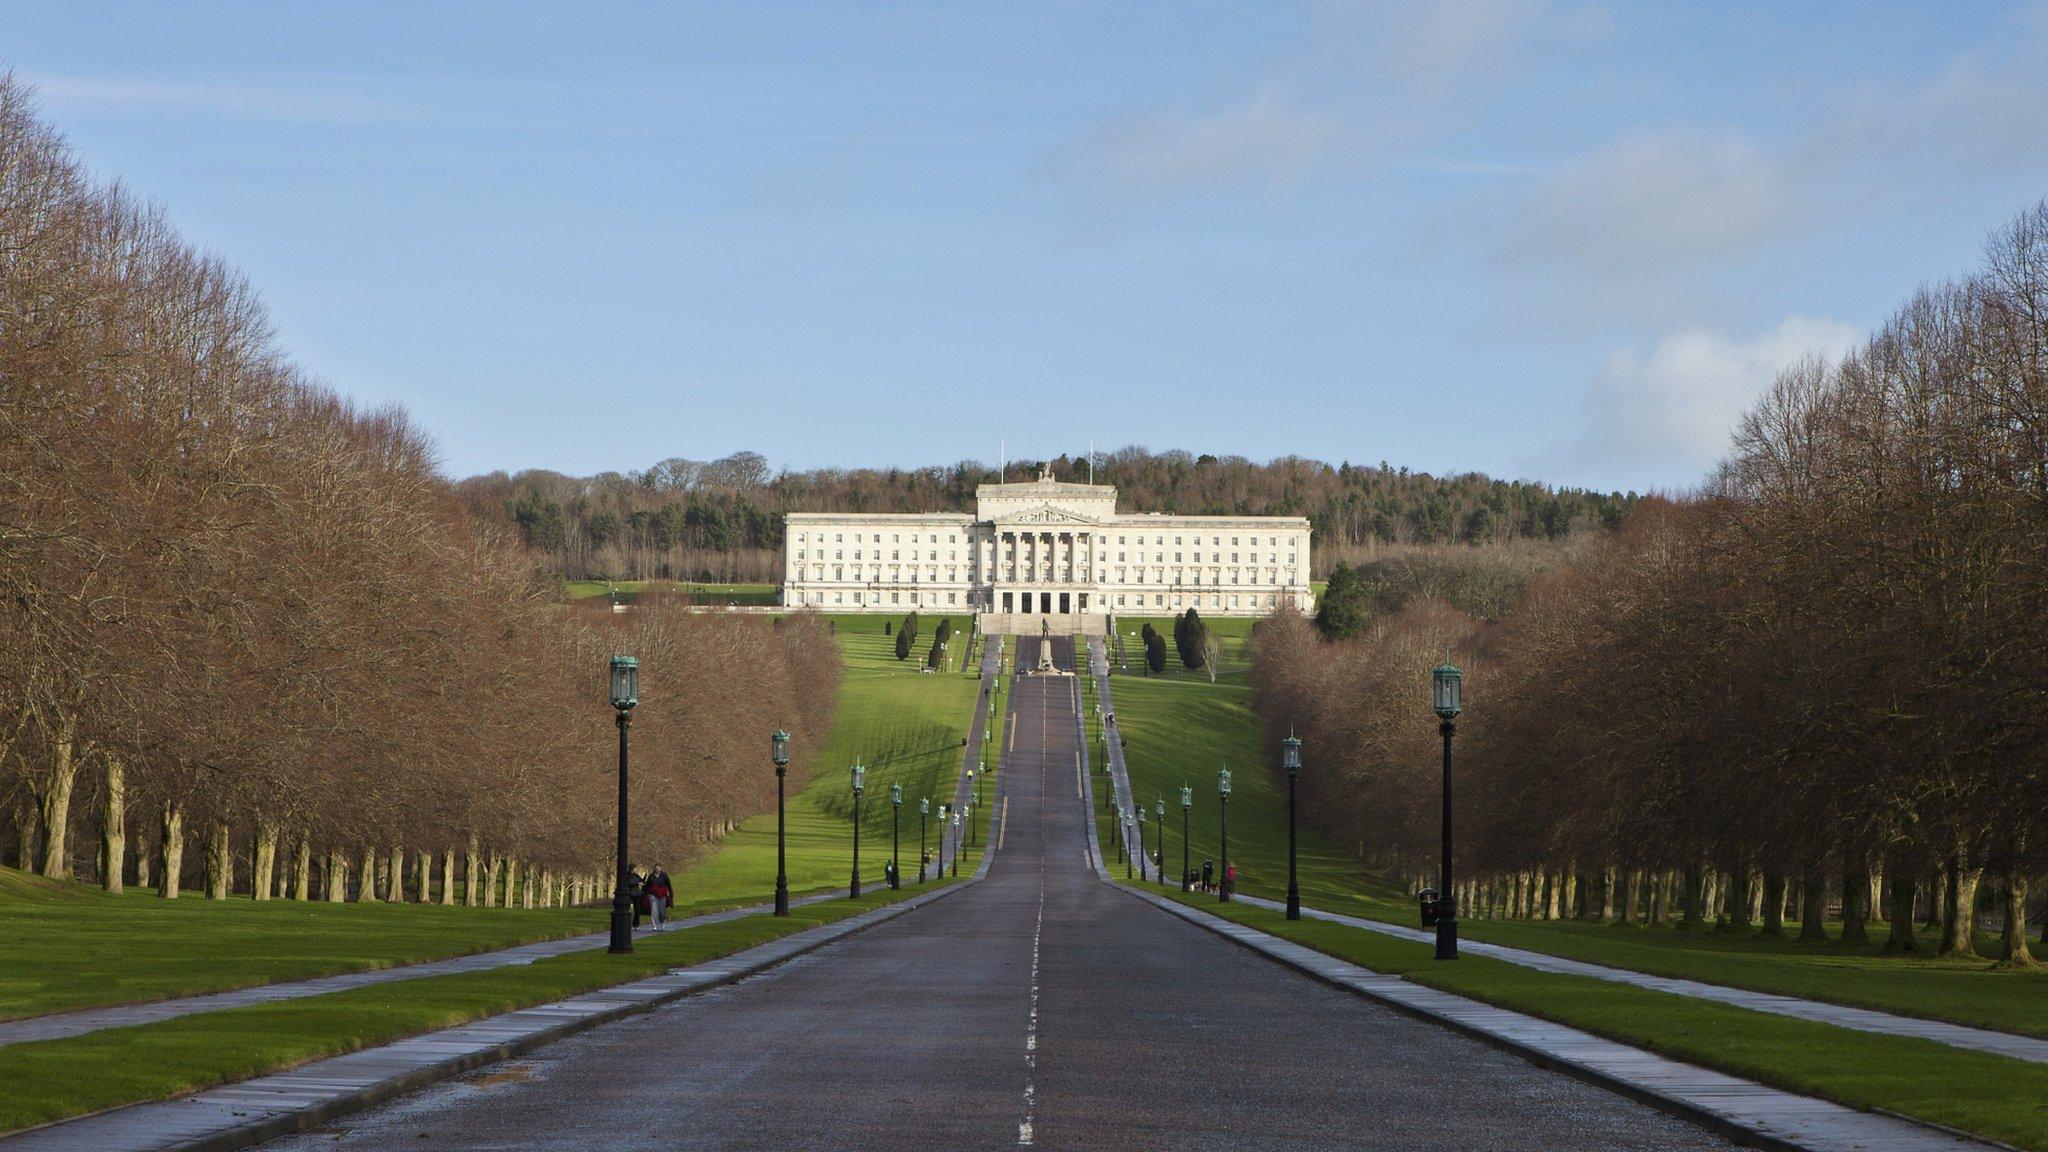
[[1181, 730], [1961, 990], [746, 595], [905, 726], [1991, 1095], [69, 946], [1232, 633], [50, 1080]]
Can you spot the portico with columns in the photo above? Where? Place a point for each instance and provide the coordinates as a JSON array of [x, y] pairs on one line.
[[1045, 550]]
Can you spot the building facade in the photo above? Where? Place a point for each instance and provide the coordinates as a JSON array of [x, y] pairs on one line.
[[1046, 547]]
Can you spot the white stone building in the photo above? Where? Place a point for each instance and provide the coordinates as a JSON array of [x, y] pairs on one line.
[[1044, 549]]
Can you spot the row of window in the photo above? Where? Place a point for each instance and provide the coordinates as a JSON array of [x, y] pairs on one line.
[[931, 599], [1216, 576], [954, 538]]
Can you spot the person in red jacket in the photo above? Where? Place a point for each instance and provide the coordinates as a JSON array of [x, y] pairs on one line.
[[660, 895]]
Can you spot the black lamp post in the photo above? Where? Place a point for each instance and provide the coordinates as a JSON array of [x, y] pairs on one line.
[[1449, 701], [1159, 840], [781, 745], [1290, 757], [974, 778], [625, 694], [1187, 801], [859, 785], [924, 809], [1119, 834], [1123, 819], [895, 826], [956, 845], [1223, 807]]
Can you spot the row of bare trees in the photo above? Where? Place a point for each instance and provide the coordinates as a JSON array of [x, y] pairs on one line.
[[249, 636], [1817, 689]]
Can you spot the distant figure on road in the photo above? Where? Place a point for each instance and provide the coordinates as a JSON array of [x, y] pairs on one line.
[[1208, 874], [660, 896]]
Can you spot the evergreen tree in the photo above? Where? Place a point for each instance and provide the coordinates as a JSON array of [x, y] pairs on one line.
[[1345, 605], [1155, 650], [903, 644], [1191, 637]]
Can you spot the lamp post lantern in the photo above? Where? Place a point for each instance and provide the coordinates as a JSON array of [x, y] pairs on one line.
[[1187, 801], [780, 743], [625, 694], [1223, 807], [924, 809], [859, 785], [1449, 700], [895, 826], [1290, 758], [1159, 840]]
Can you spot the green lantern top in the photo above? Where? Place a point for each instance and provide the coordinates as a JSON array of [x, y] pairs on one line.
[[625, 682], [1223, 782], [1187, 797], [896, 794], [780, 741], [1449, 695], [1290, 753], [860, 779]]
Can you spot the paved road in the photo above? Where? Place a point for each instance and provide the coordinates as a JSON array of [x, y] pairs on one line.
[[1040, 1005]]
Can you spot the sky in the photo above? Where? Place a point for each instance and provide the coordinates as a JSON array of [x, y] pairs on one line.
[[1555, 241]]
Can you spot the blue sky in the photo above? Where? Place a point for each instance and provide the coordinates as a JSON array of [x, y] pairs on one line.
[[1557, 241]]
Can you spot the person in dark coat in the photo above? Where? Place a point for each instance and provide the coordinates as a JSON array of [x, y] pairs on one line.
[[1208, 874], [636, 888]]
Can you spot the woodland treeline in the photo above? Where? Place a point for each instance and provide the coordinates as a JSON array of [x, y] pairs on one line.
[[250, 641], [1817, 689], [722, 520]]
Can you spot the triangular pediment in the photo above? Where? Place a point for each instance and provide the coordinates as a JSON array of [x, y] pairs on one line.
[[1047, 514]]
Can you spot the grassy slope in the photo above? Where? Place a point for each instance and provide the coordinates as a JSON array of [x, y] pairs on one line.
[[50, 1080], [1180, 730], [1991, 1095], [905, 726]]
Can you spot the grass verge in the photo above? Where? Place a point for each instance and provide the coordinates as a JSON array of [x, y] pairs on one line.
[[1993, 1096], [51, 1080]]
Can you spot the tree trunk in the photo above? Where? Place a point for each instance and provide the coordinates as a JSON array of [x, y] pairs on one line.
[[366, 884], [113, 825], [219, 861], [337, 877], [472, 875], [1692, 891], [302, 871], [397, 881], [143, 872], [1571, 891], [426, 879], [53, 800], [1553, 893], [2013, 947], [448, 876], [1959, 906], [1607, 879], [171, 839], [265, 864], [1660, 897], [526, 893], [1936, 885], [1774, 902], [1902, 893], [1813, 901], [1739, 884], [1855, 897]]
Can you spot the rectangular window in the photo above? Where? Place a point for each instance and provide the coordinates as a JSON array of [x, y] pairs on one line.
[[895, 598], [839, 597], [952, 597], [856, 597]]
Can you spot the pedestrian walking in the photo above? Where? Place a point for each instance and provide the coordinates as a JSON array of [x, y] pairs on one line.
[[636, 893], [1208, 874], [660, 896], [1230, 880]]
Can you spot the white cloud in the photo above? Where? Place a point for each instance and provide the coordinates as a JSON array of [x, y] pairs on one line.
[[1650, 210], [1667, 414], [1436, 49], [1263, 143]]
